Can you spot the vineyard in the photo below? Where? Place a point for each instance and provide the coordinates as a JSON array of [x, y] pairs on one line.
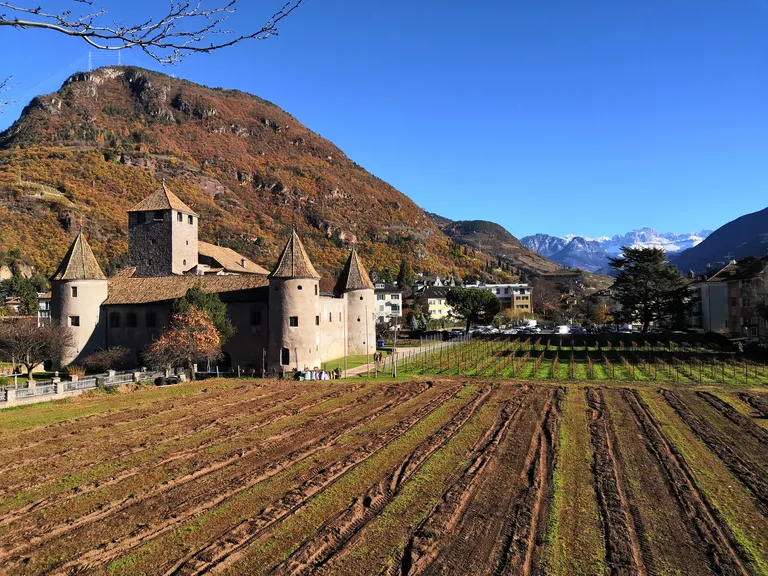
[[542, 357], [356, 477]]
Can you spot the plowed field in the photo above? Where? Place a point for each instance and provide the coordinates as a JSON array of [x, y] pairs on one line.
[[377, 477]]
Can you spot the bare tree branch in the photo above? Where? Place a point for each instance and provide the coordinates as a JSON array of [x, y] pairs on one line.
[[180, 32], [5, 86]]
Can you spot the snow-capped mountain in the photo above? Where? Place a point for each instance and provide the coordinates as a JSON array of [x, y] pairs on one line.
[[592, 253]]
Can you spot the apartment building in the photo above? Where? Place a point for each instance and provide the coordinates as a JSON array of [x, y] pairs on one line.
[[516, 296], [389, 301]]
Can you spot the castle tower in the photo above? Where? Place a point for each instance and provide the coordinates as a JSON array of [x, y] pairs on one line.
[[78, 288], [357, 289], [294, 310], [163, 235]]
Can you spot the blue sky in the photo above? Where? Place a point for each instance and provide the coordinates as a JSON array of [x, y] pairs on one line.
[[543, 115]]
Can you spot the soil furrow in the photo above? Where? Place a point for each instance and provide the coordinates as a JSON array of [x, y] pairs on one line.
[[227, 549], [758, 401], [134, 440], [225, 430], [624, 552], [142, 468], [720, 544], [336, 533], [522, 546], [746, 471], [495, 504], [745, 423], [267, 458]]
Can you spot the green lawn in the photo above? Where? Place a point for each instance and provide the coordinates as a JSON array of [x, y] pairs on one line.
[[353, 361]]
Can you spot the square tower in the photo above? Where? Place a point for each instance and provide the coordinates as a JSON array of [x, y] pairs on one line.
[[162, 235]]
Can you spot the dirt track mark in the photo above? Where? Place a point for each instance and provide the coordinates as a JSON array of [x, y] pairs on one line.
[[522, 550], [226, 423], [229, 547], [498, 531], [336, 533], [745, 423], [142, 467], [624, 548], [758, 401], [721, 545], [746, 471], [246, 475]]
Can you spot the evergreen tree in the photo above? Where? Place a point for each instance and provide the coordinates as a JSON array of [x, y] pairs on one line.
[[476, 306], [405, 278], [649, 289], [212, 305]]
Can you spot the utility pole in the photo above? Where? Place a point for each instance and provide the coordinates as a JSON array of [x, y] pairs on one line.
[[394, 352], [367, 345]]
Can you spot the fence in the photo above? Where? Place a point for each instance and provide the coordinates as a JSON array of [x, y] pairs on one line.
[[46, 388]]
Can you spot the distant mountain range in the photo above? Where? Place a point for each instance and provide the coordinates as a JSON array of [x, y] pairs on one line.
[[592, 254]]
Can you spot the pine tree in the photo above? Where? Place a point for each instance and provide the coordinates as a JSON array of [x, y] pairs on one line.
[[649, 289]]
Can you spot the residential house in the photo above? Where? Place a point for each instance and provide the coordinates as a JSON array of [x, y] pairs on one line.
[[722, 303], [389, 301], [515, 296], [436, 300], [43, 308]]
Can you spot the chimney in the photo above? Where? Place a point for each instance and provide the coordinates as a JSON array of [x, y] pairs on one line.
[[242, 262]]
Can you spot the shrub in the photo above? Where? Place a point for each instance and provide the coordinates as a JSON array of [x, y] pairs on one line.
[[103, 360]]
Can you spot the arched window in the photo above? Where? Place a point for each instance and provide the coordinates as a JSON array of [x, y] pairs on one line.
[[114, 319], [285, 357]]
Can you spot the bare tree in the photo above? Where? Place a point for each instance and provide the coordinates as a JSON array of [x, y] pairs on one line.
[[23, 341], [187, 27], [179, 32]]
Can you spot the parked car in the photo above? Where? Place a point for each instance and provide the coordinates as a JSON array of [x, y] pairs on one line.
[[562, 329], [167, 381]]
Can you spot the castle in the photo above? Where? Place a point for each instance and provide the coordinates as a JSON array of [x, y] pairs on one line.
[[283, 321]]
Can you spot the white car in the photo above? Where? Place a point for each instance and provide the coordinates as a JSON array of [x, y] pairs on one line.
[[562, 330]]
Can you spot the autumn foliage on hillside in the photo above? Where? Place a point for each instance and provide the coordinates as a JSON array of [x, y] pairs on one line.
[[86, 154]]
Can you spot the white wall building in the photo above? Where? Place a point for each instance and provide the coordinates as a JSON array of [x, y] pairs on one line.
[[389, 301], [518, 296]]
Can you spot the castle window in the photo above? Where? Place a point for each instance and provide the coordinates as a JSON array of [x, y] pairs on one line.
[[141, 218], [315, 289], [151, 319], [299, 287], [317, 320], [74, 320], [179, 217], [184, 262], [130, 320], [361, 297], [285, 356], [255, 318], [330, 316], [339, 316], [114, 320], [74, 291], [187, 242], [158, 215], [293, 321], [190, 220]]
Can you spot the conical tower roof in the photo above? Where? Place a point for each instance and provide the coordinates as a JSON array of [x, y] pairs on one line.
[[294, 262], [163, 199], [79, 263], [354, 276]]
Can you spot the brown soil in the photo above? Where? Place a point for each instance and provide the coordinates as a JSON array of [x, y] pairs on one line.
[[745, 423], [721, 545], [624, 550], [748, 472], [758, 401], [492, 519]]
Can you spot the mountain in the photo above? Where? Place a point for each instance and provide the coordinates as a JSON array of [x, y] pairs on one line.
[[745, 236], [490, 238], [592, 254], [544, 244], [84, 155]]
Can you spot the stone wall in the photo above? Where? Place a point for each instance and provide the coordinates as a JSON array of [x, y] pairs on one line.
[[184, 242], [150, 243]]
